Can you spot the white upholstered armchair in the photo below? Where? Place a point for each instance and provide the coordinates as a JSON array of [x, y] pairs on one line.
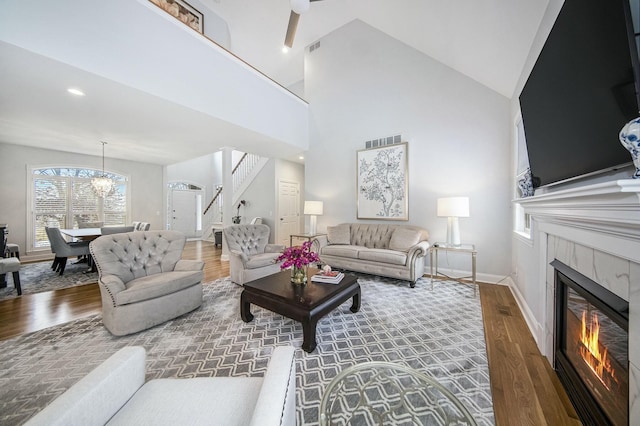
[[250, 254], [143, 280]]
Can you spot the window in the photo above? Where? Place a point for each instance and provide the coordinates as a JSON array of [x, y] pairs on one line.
[[64, 198], [522, 220]]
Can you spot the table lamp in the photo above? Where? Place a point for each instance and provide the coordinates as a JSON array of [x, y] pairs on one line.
[[453, 208], [313, 208]]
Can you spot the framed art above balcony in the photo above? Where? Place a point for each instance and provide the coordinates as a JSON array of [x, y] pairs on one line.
[[383, 190], [182, 11]]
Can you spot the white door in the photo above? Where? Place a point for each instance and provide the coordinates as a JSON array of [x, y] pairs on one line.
[[184, 212], [288, 211]]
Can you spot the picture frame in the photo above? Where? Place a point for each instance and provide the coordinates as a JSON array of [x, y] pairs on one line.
[[383, 182], [183, 12]]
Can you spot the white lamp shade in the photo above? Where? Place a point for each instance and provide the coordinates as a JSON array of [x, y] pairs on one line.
[[313, 207], [453, 207], [300, 6]]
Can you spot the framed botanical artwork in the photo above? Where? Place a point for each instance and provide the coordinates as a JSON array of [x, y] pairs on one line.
[[383, 183], [182, 11]]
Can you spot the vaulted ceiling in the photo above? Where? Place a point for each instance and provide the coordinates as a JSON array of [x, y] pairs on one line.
[[486, 40]]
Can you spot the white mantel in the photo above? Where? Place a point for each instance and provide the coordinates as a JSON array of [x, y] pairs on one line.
[[610, 209], [594, 229]]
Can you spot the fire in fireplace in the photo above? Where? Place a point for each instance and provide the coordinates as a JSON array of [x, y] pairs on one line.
[[591, 355], [594, 354]]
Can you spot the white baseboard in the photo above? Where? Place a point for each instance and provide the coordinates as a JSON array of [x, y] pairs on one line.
[[537, 330]]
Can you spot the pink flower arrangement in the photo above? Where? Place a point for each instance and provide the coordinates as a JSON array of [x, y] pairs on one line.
[[298, 256]]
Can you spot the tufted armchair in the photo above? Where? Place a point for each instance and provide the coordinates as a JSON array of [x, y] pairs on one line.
[[143, 282], [250, 254]]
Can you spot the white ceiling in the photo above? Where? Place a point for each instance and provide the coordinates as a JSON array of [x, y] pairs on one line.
[[486, 40]]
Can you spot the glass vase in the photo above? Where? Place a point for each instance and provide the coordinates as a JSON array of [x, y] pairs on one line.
[[299, 275]]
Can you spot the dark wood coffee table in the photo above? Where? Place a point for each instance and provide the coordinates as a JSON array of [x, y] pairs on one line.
[[304, 303]]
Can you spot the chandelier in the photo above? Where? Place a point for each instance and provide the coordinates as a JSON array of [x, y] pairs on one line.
[[102, 185]]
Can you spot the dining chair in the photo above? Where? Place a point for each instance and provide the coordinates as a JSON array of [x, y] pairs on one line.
[[109, 230], [63, 249], [13, 250], [12, 265], [82, 225]]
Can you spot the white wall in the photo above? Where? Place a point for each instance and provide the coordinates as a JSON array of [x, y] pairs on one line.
[[362, 84], [146, 185], [202, 171], [262, 195]]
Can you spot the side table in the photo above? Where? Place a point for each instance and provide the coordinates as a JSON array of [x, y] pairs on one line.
[[377, 393], [307, 237], [436, 248]]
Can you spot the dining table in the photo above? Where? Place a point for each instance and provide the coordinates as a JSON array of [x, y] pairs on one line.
[[82, 234]]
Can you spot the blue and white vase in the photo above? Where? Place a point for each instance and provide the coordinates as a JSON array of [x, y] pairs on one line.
[[525, 184], [630, 139]]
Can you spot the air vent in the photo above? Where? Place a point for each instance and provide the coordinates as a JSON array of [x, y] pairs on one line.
[[389, 140], [314, 46]]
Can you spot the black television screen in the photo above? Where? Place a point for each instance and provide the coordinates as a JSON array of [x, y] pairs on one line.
[[581, 92]]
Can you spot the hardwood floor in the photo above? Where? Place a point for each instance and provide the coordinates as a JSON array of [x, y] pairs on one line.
[[526, 391]]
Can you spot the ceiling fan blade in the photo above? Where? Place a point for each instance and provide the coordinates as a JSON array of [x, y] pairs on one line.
[[291, 29]]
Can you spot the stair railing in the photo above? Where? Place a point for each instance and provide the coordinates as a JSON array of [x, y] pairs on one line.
[[239, 174]]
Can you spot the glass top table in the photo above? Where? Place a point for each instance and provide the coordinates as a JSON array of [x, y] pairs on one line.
[[383, 393]]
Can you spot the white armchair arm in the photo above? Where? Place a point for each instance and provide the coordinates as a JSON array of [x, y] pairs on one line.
[[189, 265], [239, 255], [276, 404], [113, 283], [99, 395]]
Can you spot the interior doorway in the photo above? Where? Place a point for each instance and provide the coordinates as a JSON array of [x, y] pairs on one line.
[[185, 209], [288, 213]]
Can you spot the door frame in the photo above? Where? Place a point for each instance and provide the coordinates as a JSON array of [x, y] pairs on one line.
[[278, 227], [199, 216]]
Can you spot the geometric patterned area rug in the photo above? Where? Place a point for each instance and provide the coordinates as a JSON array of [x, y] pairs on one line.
[[438, 332], [39, 277]]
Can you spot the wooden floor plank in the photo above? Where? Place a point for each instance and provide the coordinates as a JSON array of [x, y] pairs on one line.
[[525, 389]]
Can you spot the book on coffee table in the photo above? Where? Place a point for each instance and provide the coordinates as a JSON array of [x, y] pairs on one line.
[[331, 277]]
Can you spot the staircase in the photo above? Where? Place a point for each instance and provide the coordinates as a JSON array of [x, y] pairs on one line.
[[242, 175]]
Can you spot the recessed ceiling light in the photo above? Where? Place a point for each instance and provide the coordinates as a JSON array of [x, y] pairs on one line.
[[301, 158], [75, 91], [285, 49]]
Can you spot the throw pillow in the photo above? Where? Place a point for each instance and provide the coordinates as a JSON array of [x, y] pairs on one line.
[[339, 234], [403, 239]]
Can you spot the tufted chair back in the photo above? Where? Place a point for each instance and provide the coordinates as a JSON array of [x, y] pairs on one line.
[[136, 254], [377, 235], [247, 239]]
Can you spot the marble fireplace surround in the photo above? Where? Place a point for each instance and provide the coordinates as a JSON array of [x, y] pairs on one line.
[[594, 229]]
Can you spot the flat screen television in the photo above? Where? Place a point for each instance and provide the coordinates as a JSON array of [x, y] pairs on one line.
[[581, 92]]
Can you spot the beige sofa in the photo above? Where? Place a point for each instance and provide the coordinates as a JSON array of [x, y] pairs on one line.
[[395, 251], [115, 393]]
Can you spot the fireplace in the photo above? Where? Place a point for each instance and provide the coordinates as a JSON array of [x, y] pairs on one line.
[[592, 341]]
